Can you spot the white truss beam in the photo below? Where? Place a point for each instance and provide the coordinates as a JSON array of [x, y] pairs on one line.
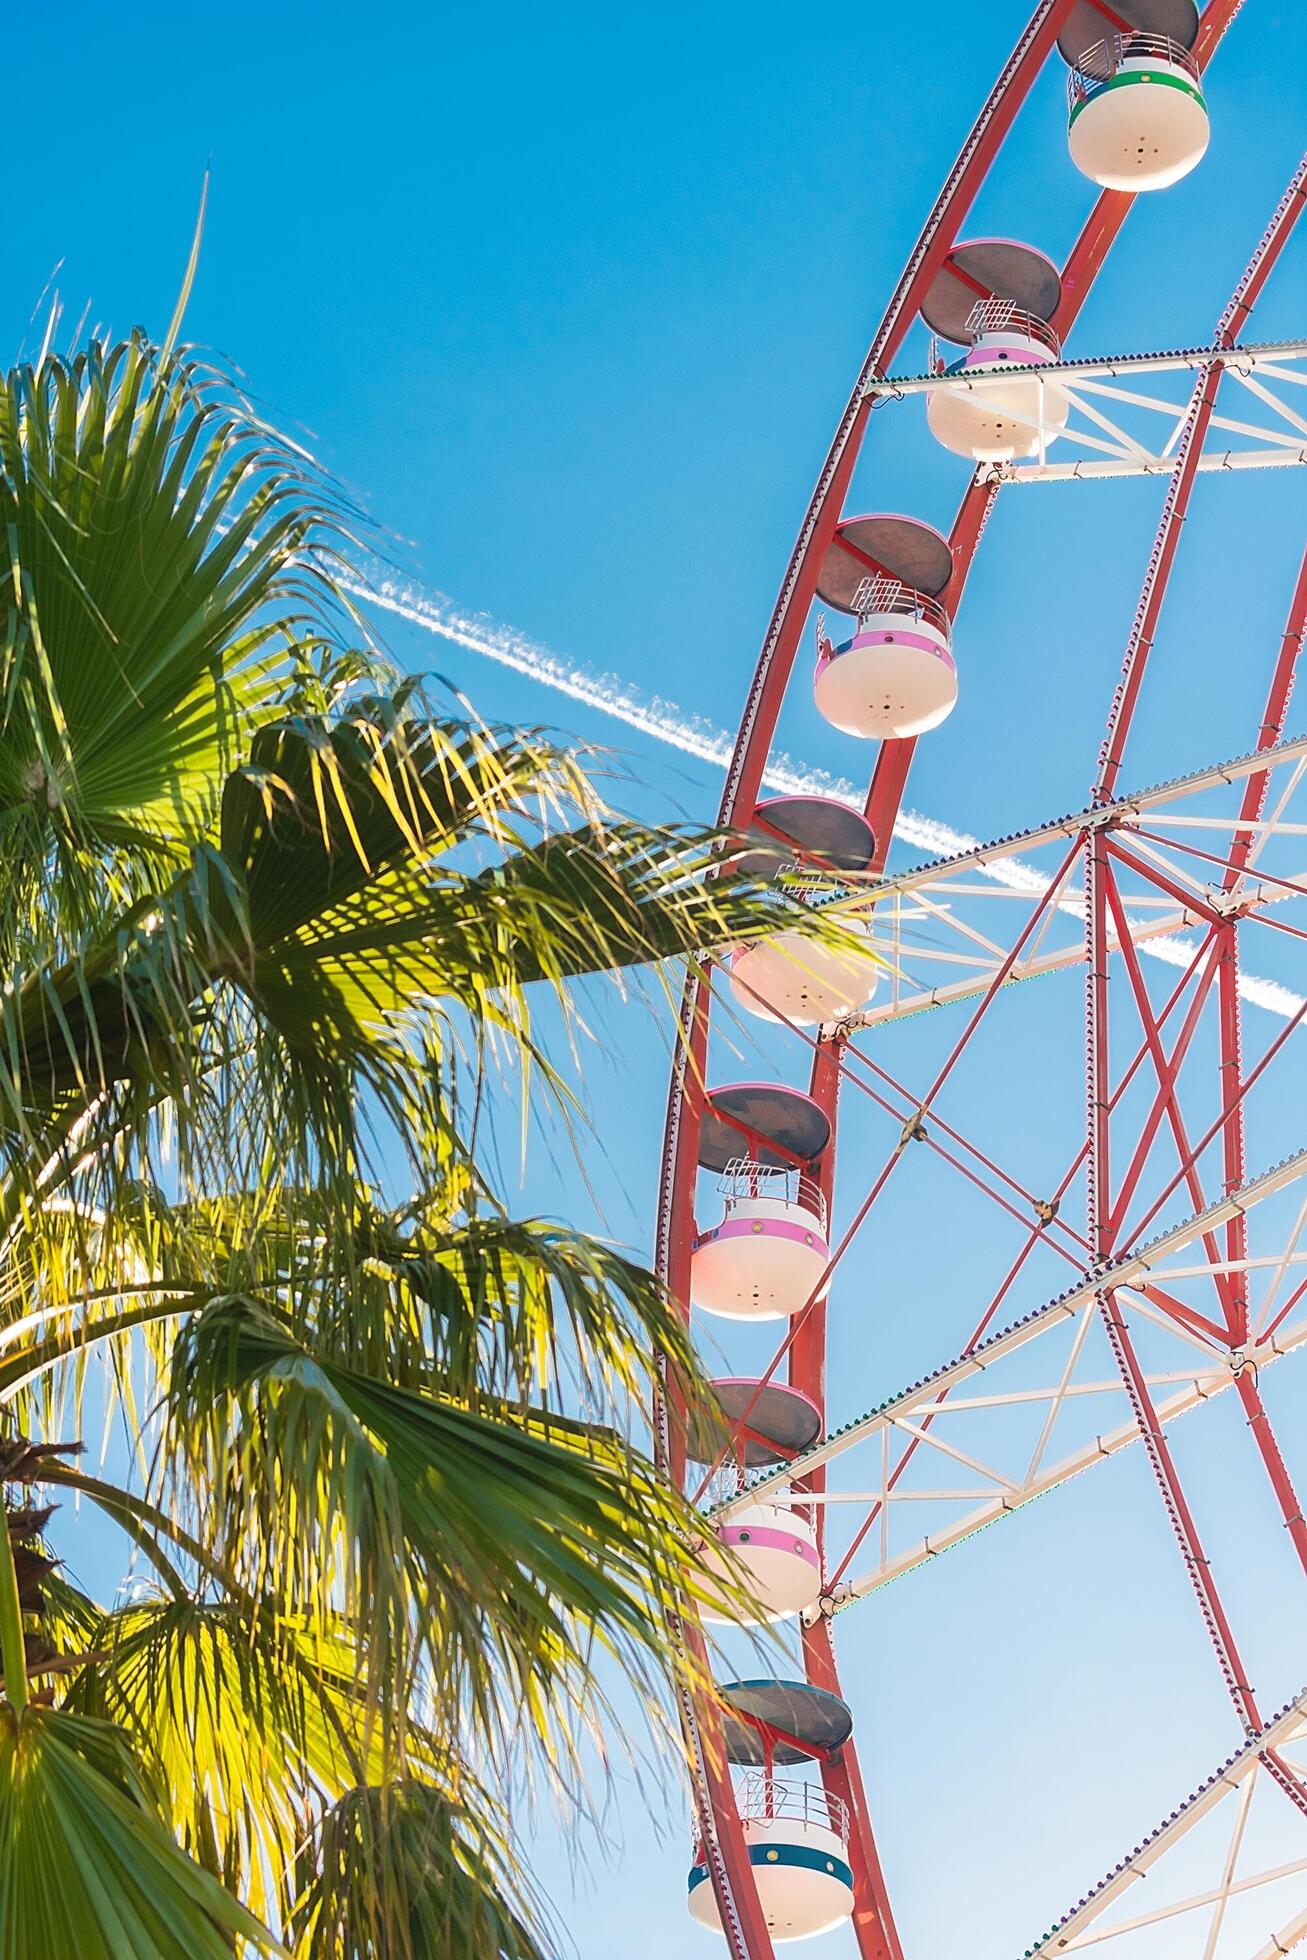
[[1113, 449], [1201, 1387], [918, 998], [1107, 817], [1268, 356], [1083, 1927], [1273, 457], [1130, 1271]]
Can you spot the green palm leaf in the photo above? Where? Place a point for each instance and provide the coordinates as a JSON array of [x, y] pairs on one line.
[[154, 574], [428, 1504], [223, 1721], [399, 1873], [88, 1867]]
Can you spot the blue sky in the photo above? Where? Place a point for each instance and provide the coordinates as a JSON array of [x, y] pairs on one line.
[[572, 299]]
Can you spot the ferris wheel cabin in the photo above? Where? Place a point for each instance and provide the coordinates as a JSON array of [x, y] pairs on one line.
[[1138, 120], [807, 842], [895, 677], [766, 1258], [772, 1546], [754, 1424], [795, 1832], [997, 299], [770, 1549]]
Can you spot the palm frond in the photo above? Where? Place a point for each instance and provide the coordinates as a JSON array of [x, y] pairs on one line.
[[401, 1873], [226, 1725], [88, 1866], [428, 1512], [154, 578]]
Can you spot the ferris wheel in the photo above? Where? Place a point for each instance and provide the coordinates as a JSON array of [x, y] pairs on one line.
[[1176, 1246]]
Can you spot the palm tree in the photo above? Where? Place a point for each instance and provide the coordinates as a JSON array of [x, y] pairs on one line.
[[269, 926]]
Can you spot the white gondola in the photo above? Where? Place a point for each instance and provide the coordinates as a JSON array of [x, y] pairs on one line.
[[1138, 119], [767, 1257], [791, 978], [999, 421], [771, 1550], [797, 1838], [776, 1421], [814, 833], [896, 677]]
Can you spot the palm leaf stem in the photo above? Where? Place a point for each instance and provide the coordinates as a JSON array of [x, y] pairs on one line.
[[15, 1331], [36, 1360], [56, 1139], [13, 1651], [125, 1512], [146, 1519], [112, 1498]]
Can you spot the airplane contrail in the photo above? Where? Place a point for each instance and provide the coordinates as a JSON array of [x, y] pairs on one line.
[[692, 735]]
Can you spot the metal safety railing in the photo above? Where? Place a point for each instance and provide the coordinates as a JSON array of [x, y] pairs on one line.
[[767, 1799], [801, 880], [1097, 66], [993, 316], [763, 1799], [745, 1178], [808, 884], [878, 593]]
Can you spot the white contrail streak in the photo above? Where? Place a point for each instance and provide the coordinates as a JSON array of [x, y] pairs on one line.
[[665, 723]]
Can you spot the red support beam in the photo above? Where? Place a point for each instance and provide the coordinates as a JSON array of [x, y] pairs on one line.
[[1230, 1074], [1273, 1326], [720, 1830], [873, 1916], [1294, 1022], [1179, 489], [873, 1925], [1154, 875], [1167, 1068], [1098, 1189]]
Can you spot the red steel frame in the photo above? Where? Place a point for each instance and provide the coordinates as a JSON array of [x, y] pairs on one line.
[[1215, 964], [1102, 898]]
